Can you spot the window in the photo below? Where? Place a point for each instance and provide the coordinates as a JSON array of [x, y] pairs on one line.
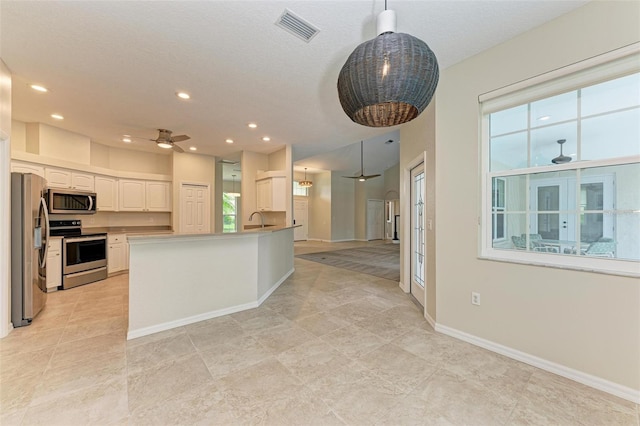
[[561, 170], [229, 213], [300, 190]]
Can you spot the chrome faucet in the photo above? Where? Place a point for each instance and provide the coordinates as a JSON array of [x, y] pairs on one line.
[[261, 218]]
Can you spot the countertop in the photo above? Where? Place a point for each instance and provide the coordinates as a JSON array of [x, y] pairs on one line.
[[148, 237]]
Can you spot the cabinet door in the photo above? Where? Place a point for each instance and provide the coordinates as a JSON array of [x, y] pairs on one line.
[[158, 196], [263, 194], [82, 181], [27, 168], [57, 178], [115, 258], [54, 263], [278, 194], [107, 194], [132, 195]]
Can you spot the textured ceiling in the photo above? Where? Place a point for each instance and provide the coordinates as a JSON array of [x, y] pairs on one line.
[[113, 68]]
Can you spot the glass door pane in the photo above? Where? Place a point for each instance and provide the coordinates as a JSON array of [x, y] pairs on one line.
[[418, 231]]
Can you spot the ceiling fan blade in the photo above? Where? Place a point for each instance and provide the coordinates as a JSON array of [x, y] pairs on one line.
[[180, 138], [352, 177], [176, 148], [369, 176]]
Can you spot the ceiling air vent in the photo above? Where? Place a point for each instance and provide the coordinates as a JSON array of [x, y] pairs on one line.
[[297, 26]]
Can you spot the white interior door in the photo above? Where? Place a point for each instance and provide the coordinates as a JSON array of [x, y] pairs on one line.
[[301, 217], [375, 220], [418, 237], [194, 209]]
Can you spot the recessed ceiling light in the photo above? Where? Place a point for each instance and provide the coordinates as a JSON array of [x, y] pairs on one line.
[[266, 138], [39, 88], [229, 140], [126, 140], [193, 148], [252, 125], [183, 95], [544, 117], [57, 116]]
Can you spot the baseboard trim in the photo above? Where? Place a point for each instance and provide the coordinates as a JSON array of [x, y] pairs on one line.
[[595, 382], [133, 334], [275, 286], [430, 320]]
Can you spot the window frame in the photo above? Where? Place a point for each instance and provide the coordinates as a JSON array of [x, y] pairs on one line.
[[595, 70]]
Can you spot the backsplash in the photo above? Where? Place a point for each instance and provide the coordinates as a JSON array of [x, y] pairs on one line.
[[111, 219]]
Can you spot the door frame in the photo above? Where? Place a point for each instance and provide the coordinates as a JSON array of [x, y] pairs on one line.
[[208, 207], [405, 226]]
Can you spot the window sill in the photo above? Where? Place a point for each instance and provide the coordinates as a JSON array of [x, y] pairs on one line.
[[592, 264]]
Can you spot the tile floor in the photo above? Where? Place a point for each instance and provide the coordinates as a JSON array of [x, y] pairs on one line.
[[329, 347]]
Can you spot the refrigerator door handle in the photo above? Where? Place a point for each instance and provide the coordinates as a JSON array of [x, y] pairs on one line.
[[43, 206]]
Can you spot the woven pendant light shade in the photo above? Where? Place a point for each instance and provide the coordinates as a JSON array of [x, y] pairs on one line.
[[388, 80]]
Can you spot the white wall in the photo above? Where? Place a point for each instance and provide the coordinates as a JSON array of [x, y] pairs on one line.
[[5, 199], [576, 320]]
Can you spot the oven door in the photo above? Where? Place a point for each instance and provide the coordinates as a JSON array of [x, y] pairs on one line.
[[84, 253]]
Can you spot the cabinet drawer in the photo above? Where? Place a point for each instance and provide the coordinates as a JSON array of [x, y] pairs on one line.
[[55, 244], [116, 238]]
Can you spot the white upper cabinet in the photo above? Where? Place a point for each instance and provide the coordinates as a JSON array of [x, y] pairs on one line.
[[19, 167], [58, 178], [107, 193], [61, 178], [139, 195], [271, 194], [158, 196], [132, 195], [82, 181]]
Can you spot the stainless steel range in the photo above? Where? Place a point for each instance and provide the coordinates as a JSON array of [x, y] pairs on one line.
[[84, 255]]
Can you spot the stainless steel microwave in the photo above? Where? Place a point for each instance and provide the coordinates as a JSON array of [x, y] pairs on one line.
[[71, 201]]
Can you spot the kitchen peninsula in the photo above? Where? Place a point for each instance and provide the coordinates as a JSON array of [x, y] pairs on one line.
[[180, 279]]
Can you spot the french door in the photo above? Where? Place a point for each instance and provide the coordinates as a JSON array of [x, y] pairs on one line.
[[418, 237]]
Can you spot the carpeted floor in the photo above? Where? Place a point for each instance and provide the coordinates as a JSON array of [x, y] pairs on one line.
[[382, 260]]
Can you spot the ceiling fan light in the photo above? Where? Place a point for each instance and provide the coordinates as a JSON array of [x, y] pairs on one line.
[[389, 80], [561, 159], [165, 145]]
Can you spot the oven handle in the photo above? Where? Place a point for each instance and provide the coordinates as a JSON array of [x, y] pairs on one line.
[[83, 239]]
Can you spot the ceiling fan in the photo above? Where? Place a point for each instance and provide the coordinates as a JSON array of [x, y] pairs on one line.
[[362, 176], [561, 159], [165, 140]]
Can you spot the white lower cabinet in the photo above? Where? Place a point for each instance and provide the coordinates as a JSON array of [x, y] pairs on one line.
[[117, 253], [54, 263]]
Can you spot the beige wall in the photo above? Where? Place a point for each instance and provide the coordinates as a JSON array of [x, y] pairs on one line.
[[583, 321], [130, 160], [278, 160], [418, 137], [342, 207], [190, 168], [320, 207]]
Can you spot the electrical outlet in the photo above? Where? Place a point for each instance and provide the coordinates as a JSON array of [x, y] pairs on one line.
[[475, 298]]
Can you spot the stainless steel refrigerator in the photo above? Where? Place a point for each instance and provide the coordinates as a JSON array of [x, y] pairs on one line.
[[29, 235]]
